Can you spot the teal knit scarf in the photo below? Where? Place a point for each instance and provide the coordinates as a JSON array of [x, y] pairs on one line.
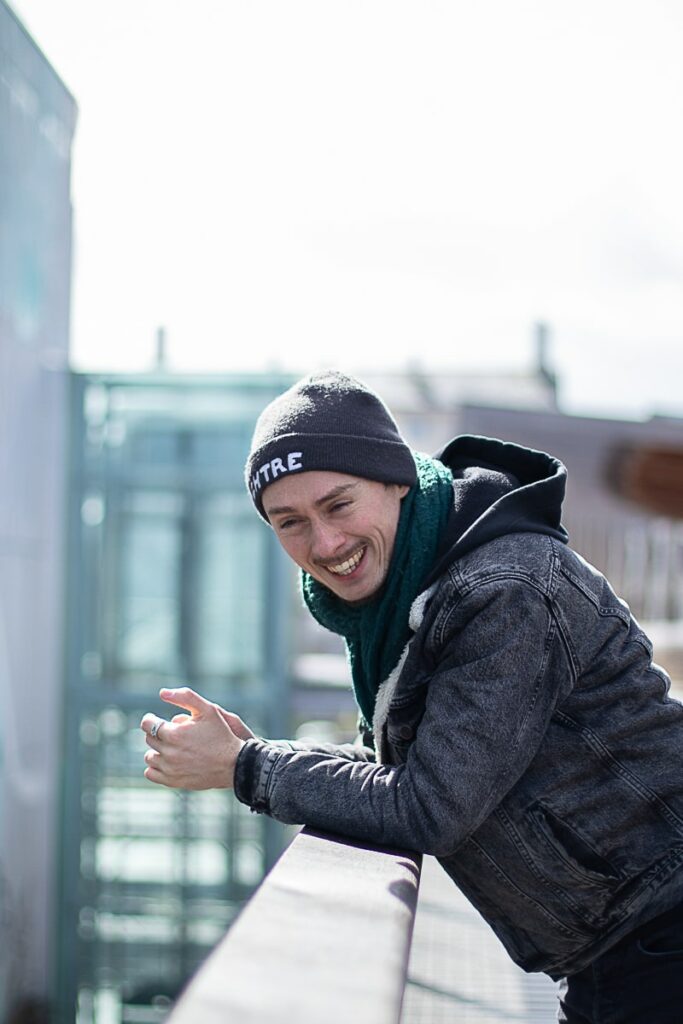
[[377, 632]]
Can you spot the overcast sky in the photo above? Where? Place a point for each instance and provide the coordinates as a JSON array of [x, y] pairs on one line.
[[368, 182]]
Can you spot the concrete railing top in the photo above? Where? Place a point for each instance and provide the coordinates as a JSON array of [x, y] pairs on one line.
[[325, 938]]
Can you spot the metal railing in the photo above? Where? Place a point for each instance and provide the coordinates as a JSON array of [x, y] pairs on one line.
[[326, 937]]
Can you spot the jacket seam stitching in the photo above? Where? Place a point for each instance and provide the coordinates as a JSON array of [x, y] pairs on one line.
[[614, 764], [547, 647], [614, 610], [572, 659], [495, 577]]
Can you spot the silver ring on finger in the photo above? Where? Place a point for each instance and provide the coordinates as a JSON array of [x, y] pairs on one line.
[[154, 731]]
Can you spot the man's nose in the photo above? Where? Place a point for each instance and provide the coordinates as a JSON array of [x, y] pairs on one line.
[[327, 541]]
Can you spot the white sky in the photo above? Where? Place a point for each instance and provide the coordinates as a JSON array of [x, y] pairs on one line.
[[365, 182]]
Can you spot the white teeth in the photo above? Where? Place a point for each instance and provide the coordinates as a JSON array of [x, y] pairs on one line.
[[344, 568]]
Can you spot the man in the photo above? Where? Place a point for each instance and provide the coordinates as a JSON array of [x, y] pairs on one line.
[[514, 724]]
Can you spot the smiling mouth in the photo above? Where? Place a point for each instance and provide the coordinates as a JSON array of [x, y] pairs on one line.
[[347, 567]]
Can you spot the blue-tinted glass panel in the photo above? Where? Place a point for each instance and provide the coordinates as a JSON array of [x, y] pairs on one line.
[[230, 607], [225, 449], [149, 604], [154, 447]]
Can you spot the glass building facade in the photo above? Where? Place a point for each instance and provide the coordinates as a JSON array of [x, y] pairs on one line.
[[174, 581], [37, 123]]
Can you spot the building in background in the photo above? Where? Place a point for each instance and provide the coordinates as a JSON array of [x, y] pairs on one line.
[[37, 120], [427, 402], [173, 581]]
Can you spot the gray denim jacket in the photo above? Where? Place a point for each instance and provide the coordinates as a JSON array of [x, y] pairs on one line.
[[526, 740]]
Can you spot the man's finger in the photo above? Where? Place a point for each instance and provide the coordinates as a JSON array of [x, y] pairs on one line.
[[151, 724], [155, 776], [186, 698], [153, 759]]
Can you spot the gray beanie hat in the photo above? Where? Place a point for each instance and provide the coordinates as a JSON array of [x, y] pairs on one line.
[[327, 421]]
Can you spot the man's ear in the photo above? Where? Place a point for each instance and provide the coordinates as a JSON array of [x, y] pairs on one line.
[[403, 490]]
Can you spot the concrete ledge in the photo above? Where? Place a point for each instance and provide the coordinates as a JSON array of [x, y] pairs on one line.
[[326, 937]]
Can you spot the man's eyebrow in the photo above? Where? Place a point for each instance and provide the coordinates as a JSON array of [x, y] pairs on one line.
[[334, 493]]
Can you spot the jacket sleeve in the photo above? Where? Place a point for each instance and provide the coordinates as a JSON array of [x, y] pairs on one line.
[[500, 670], [356, 751]]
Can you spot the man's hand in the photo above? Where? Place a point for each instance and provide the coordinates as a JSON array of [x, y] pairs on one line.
[[196, 750]]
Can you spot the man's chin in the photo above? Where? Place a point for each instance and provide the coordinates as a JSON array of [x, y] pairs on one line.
[[360, 601], [367, 597]]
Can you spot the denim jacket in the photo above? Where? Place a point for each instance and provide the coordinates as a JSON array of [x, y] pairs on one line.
[[526, 739]]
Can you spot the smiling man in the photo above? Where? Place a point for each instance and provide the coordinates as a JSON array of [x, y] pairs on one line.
[[338, 529], [512, 721]]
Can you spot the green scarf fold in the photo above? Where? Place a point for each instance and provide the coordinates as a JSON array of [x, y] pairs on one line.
[[377, 632]]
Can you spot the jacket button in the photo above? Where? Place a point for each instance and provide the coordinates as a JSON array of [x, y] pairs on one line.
[[406, 732]]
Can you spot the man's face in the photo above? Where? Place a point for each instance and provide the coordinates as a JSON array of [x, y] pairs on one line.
[[338, 528]]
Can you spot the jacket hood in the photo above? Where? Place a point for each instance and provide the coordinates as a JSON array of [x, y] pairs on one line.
[[499, 488]]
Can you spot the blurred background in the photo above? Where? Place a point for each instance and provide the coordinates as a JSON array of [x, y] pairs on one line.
[[476, 208]]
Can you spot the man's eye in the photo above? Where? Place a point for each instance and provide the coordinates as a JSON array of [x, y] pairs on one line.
[[338, 505], [287, 524]]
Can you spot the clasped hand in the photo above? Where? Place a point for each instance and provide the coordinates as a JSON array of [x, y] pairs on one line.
[[194, 750]]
